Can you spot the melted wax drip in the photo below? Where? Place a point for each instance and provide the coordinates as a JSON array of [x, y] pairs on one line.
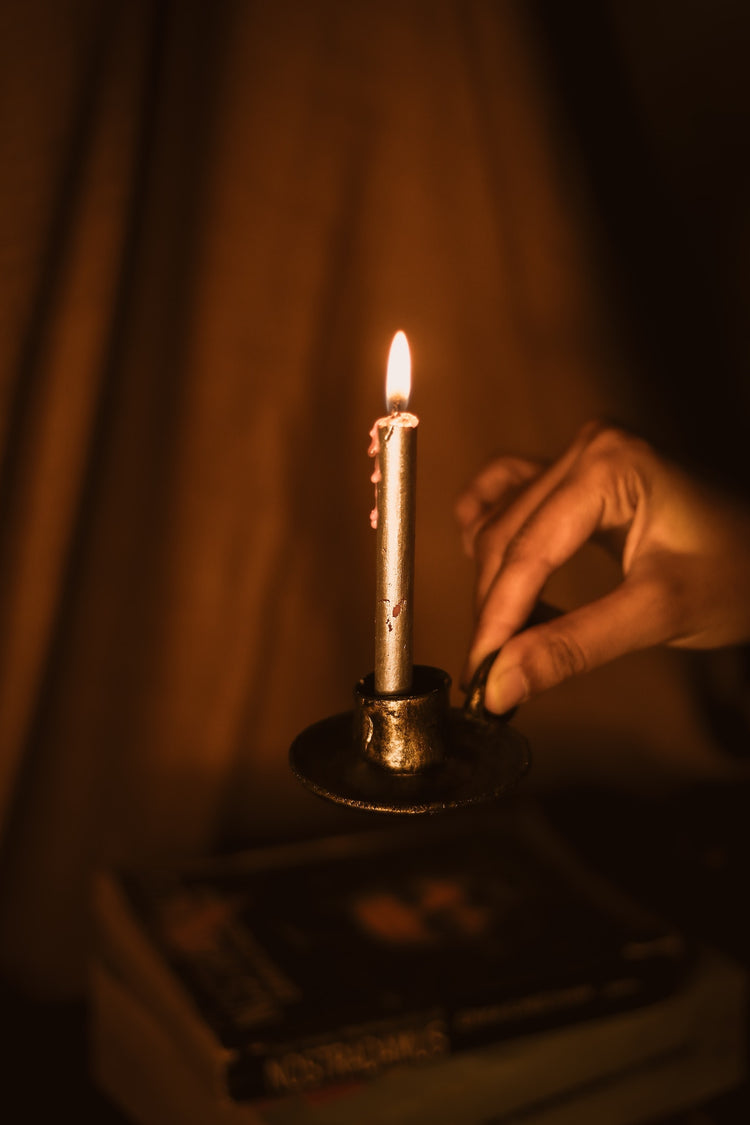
[[374, 451]]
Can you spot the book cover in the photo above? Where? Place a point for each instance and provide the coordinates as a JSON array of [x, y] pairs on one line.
[[336, 959], [630, 1067]]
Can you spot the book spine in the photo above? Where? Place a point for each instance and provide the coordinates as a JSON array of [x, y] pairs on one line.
[[477, 1025], [358, 1052], [351, 1054]]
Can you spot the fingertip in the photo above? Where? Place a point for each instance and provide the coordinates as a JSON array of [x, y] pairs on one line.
[[506, 688]]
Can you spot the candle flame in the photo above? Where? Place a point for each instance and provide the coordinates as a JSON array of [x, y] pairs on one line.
[[398, 378]]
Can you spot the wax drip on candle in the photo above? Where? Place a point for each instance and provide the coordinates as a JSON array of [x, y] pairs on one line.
[[374, 451]]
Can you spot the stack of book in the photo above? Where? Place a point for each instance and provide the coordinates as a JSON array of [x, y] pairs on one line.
[[466, 969]]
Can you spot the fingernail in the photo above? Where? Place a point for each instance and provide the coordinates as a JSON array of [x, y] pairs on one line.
[[506, 690]]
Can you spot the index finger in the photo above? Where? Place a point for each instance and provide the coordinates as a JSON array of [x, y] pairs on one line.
[[552, 534], [495, 486]]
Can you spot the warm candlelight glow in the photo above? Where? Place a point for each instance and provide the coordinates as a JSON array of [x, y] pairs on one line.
[[398, 377]]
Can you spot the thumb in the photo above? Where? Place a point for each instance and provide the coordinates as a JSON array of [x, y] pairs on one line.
[[631, 617]]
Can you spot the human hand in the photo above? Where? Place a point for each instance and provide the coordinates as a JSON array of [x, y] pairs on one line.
[[684, 550]]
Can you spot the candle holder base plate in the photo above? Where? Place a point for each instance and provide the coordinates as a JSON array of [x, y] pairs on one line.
[[483, 761]]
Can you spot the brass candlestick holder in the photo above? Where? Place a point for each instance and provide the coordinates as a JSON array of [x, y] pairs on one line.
[[412, 752]]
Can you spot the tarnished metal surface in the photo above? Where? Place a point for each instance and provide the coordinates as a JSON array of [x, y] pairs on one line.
[[404, 733], [413, 754]]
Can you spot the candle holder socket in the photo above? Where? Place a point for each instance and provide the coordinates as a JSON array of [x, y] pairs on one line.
[[412, 752]]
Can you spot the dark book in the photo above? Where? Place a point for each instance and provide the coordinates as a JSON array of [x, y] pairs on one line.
[[336, 959]]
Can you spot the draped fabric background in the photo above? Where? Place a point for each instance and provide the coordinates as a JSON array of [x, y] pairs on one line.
[[213, 219]]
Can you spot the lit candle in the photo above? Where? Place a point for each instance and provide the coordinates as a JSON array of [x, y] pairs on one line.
[[394, 444]]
